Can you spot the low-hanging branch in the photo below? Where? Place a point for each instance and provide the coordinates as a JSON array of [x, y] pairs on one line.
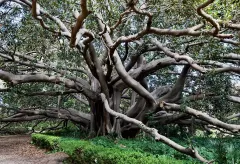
[[80, 86], [30, 114], [153, 132], [22, 119], [51, 93], [200, 115]]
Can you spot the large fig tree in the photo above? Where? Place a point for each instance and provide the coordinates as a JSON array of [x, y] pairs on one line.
[[114, 66]]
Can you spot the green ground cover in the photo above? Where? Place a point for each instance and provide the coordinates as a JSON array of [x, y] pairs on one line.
[[140, 150], [89, 151]]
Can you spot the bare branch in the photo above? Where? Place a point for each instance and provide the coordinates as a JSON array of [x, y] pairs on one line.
[[68, 114], [227, 69], [36, 14], [79, 85], [168, 118]]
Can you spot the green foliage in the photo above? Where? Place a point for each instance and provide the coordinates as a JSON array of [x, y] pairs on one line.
[[142, 145], [111, 150], [89, 152], [221, 150], [70, 131], [226, 152], [217, 149], [13, 131], [44, 141], [221, 153]]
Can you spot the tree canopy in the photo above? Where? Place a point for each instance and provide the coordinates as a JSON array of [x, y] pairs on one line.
[[122, 66]]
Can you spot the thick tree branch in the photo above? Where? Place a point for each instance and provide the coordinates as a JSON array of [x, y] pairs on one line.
[[230, 41], [176, 92], [68, 114], [36, 14], [209, 18], [178, 57], [99, 70], [153, 132], [232, 56], [79, 98], [168, 118], [200, 115], [79, 22], [21, 119], [49, 93], [230, 25], [234, 99], [121, 70], [192, 31], [80, 85]]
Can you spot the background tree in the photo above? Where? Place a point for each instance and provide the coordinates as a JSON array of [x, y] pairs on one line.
[[112, 67]]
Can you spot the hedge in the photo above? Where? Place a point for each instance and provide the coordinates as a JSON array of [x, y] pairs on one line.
[[85, 152]]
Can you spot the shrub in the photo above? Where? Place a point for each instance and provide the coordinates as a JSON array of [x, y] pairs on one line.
[[86, 152], [46, 141]]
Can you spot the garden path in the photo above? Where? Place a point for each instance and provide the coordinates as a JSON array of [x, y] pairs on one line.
[[17, 149]]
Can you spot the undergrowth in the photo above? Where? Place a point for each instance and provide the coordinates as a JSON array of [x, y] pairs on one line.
[[85, 152], [141, 150]]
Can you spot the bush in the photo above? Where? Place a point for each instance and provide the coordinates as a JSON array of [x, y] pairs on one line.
[[143, 145], [86, 152], [46, 141], [221, 150]]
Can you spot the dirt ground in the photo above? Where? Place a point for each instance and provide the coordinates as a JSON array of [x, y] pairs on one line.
[[17, 149]]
